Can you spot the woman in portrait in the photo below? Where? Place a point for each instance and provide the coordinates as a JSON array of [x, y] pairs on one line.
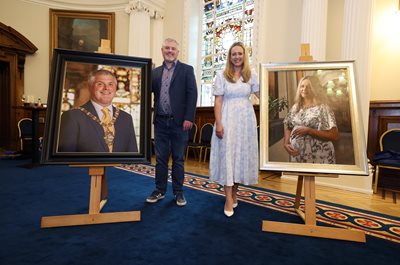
[[310, 126]]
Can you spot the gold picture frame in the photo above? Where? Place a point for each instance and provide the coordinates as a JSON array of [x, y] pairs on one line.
[[80, 30], [336, 81]]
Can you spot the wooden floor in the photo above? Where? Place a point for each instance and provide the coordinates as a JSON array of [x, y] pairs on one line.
[[371, 202]]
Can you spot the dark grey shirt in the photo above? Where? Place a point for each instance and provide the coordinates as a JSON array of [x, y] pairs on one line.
[[165, 105]]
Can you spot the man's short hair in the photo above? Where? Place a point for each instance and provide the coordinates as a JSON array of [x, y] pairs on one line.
[[93, 75], [170, 40]]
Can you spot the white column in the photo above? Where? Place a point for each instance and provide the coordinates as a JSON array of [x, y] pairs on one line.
[[357, 42], [356, 45], [139, 29], [157, 30], [314, 26]]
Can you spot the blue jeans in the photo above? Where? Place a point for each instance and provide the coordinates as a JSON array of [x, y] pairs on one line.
[[169, 138]]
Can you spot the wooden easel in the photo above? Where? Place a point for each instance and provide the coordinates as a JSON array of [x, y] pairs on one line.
[[305, 55], [104, 46], [310, 227], [98, 193], [98, 198]]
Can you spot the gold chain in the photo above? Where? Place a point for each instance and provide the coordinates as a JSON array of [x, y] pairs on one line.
[[93, 117]]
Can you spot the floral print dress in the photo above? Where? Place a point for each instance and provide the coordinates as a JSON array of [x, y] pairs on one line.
[[312, 150], [234, 158]]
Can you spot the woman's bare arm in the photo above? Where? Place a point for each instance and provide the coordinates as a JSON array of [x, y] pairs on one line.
[[219, 130]]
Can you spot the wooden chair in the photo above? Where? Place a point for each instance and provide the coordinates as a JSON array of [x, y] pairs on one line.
[[389, 155], [24, 132], [205, 139], [192, 144], [201, 142]]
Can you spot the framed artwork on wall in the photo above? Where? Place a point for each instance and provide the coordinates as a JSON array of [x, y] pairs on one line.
[[74, 131], [310, 119], [80, 30]]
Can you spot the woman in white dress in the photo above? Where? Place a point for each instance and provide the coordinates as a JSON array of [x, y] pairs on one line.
[[310, 126], [234, 144]]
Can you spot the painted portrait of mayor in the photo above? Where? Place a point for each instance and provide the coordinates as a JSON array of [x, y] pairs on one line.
[[88, 91]]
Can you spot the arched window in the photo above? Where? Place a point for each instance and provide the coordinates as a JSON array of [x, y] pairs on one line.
[[224, 22]]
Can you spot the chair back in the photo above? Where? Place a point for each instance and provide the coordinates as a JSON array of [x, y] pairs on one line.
[[390, 140], [193, 134], [206, 133], [25, 128]]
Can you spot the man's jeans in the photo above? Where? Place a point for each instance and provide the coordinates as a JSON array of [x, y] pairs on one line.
[[169, 138]]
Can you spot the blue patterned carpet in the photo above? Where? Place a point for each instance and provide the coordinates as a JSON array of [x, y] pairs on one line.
[[196, 234], [372, 223]]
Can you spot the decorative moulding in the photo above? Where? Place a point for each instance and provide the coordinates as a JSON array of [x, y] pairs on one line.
[[98, 5], [154, 11]]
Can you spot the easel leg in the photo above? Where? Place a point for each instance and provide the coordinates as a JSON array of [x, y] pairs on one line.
[[104, 192], [309, 216], [298, 192], [95, 192], [309, 201], [98, 198]]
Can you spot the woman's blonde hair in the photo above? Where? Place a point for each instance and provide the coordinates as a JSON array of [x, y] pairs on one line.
[[229, 70], [315, 92]]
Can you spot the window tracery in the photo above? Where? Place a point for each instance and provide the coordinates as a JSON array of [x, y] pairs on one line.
[[224, 22]]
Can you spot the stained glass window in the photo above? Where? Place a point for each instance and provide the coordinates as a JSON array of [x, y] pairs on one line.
[[224, 22]]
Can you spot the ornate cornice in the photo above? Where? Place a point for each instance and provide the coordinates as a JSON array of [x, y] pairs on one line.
[[144, 6], [100, 5]]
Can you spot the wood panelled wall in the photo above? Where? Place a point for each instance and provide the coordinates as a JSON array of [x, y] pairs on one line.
[[383, 115], [206, 115], [14, 47]]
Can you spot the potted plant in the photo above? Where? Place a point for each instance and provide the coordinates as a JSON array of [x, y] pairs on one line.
[[276, 105], [275, 124]]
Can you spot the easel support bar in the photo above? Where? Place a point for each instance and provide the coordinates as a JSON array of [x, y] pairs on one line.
[[89, 219], [314, 231]]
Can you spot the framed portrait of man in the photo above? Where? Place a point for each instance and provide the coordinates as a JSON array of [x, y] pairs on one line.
[[310, 119], [80, 30], [99, 109]]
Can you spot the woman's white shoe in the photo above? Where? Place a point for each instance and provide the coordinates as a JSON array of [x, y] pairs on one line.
[[228, 213]]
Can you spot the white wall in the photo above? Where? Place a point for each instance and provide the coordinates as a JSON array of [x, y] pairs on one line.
[[173, 20], [279, 31], [386, 51], [121, 32]]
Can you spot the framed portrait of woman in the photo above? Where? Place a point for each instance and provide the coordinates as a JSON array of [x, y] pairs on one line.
[[99, 109], [310, 119]]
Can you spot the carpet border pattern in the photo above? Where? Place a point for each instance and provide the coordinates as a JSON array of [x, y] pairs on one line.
[[373, 224]]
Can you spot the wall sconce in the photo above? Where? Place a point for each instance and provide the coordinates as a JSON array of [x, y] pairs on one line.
[[339, 92], [329, 87]]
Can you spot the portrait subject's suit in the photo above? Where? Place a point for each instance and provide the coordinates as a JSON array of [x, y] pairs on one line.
[[182, 92], [80, 133]]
